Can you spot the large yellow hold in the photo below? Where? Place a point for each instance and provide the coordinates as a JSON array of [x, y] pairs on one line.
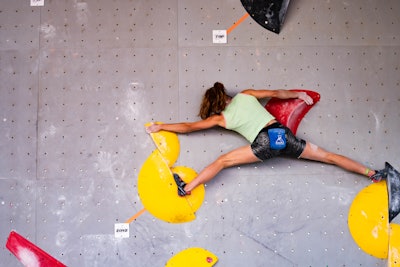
[[157, 188], [394, 246], [368, 220], [369, 224], [197, 257]]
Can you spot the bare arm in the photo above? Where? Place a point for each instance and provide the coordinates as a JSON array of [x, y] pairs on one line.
[[282, 94], [187, 127]]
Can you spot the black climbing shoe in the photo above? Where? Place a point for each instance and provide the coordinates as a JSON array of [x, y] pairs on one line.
[[379, 175], [181, 185]]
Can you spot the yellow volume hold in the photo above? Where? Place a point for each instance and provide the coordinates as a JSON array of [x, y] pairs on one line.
[[157, 188], [198, 257]]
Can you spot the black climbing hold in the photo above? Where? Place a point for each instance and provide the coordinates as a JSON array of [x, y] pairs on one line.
[[393, 187], [268, 13]]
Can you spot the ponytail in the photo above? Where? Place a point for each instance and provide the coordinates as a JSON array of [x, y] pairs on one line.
[[214, 101]]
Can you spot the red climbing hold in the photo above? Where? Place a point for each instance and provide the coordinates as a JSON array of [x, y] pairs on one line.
[[290, 112]]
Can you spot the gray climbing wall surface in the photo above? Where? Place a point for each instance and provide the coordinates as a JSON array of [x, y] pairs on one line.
[[79, 80]]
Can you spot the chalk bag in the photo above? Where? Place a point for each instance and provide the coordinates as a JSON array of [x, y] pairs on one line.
[[277, 138]]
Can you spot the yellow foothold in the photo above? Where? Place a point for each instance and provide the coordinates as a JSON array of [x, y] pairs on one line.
[[157, 188], [198, 257], [195, 199], [368, 220], [394, 246], [158, 192]]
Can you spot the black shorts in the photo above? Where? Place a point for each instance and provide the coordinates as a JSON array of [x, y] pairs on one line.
[[261, 145]]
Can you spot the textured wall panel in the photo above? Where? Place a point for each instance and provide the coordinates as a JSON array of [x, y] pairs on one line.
[[112, 94], [80, 79], [115, 24], [18, 111], [19, 26], [313, 23], [17, 212]]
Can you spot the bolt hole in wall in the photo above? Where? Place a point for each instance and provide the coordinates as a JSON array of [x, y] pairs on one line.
[[81, 78]]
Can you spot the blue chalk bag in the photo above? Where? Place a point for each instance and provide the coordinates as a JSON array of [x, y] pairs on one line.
[[277, 138]]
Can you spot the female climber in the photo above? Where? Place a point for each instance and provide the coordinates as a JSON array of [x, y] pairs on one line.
[[268, 138]]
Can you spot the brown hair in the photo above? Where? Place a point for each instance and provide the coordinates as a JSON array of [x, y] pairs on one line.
[[214, 101]]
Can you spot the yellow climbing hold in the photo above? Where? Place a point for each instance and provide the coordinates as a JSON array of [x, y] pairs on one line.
[[394, 246], [157, 188], [195, 199], [368, 220], [168, 145], [198, 257]]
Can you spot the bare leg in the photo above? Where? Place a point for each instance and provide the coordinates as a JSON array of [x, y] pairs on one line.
[[238, 156], [313, 152], [245, 155]]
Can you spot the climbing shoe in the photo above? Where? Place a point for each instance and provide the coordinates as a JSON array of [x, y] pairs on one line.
[[379, 175], [181, 185]]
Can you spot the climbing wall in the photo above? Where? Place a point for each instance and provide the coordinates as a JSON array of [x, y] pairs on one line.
[[80, 79]]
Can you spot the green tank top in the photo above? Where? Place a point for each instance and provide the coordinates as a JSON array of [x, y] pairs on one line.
[[246, 116]]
